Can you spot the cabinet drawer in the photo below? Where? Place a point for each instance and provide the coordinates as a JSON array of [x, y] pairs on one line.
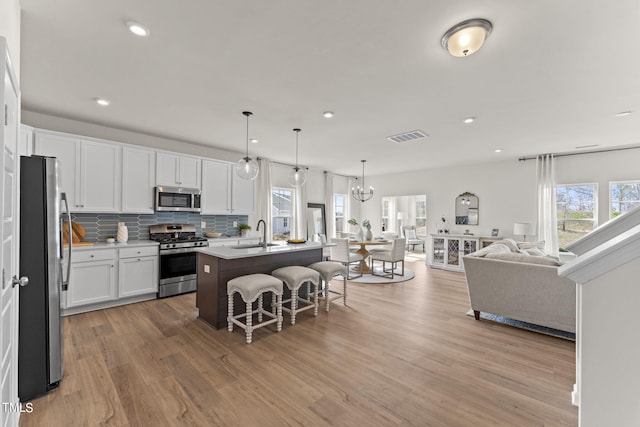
[[93, 255], [138, 251]]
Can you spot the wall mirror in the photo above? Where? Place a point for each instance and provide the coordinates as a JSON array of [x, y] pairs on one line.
[[316, 222], [467, 209]]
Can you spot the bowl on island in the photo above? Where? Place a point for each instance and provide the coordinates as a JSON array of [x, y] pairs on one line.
[[213, 234]]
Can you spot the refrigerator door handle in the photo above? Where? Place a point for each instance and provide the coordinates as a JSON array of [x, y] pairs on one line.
[[65, 283]]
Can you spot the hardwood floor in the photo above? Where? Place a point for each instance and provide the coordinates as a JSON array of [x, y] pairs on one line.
[[400, 354]]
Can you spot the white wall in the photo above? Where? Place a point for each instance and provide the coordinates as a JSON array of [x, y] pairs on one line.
[[10, 30], [506, 189]]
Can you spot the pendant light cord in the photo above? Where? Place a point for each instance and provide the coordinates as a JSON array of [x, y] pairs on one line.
[[247, 114], [297, 131]]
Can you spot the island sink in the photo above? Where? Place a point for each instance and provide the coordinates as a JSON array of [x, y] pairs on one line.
[[254, 245]]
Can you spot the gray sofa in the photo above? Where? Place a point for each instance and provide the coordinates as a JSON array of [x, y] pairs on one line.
[[520, 286]]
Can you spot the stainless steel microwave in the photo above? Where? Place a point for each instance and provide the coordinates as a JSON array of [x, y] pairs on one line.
[[175, 199]]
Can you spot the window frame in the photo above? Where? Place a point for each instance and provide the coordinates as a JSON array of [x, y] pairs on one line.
[[595, 208], [335, 218], [611, 183], [290, 216]]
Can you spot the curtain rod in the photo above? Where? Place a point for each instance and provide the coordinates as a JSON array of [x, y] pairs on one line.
[[522, 159], [282, 163], [339, 174]]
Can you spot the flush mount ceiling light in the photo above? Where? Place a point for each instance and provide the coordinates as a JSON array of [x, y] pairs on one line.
[[247, 168], [327, 114], [102, 102], [467, 37], [138, 29], [297, 176], [358, 193]]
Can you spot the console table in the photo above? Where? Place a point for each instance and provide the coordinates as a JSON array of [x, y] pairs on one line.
[[447, 250]]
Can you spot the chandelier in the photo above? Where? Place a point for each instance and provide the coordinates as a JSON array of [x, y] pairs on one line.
[[358, 193]]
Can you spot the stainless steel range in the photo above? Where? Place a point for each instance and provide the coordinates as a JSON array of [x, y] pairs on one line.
[[178, 244]]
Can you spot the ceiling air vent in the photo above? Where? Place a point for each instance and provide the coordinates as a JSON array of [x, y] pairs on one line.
[[407, 136]]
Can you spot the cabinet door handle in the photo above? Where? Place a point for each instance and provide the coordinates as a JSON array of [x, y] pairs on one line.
[[92, 256], [139, 259], [112, 266]]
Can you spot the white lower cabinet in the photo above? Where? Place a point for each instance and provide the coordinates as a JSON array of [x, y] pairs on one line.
[[92, 277], [138, 271], [106, 277]]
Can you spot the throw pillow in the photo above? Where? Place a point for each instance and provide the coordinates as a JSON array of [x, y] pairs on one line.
[[541, 260], [529, 245], [532, 252], [410, 234], [495, 247], [510, 243]]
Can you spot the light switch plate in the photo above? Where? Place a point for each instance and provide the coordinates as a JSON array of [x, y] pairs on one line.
[[235, 224], [207, 269], [203, 225]]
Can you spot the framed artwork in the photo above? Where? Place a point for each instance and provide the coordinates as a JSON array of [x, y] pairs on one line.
[[495, 232]]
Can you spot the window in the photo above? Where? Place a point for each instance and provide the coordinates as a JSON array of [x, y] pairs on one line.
[[577, 206], [421, 215], [281, 213], [339, 212], [624, 196], [385, 213]]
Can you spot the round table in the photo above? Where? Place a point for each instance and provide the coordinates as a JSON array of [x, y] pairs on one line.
[[363, 268]]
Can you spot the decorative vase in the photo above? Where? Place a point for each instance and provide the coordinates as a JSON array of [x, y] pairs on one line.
[[360, 236], [369, 235], [123, 233]]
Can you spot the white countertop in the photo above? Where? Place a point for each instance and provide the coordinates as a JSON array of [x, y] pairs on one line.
[[228, 252], [105, 245]]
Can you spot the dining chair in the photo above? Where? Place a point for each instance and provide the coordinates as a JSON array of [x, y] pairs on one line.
[[340, 252], [393, 256]]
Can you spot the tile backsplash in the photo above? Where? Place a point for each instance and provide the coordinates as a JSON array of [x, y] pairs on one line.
[[99, 226]]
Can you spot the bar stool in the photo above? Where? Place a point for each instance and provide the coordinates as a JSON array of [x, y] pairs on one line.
[[327, 270], [294, 276], [250, 288]]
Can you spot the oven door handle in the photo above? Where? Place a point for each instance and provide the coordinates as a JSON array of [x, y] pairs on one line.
[[178, 251]]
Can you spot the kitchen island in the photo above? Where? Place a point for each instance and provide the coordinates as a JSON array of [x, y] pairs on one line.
[[218, 265]]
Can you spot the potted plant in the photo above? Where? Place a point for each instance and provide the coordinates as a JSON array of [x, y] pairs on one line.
[[243, 228]]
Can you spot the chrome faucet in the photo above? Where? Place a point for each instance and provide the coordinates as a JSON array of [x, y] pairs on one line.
[[263, 242]]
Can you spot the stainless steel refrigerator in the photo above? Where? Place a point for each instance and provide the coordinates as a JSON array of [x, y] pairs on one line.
[[43, 209]]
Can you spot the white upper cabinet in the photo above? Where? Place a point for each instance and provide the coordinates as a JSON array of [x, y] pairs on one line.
[[90, 171], [224, 193], [216, 182], [178, 171], [67, 150], [138, 179], [100, 177]]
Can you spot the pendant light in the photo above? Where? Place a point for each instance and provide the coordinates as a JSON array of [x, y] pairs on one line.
[[358, 193], [297, 176], [247, 168]]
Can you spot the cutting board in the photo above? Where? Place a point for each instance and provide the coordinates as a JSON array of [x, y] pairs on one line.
[[77, 234], [79, 244]]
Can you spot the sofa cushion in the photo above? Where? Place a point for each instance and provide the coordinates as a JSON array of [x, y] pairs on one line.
[[541, 260], [495, 247], [529, 245]]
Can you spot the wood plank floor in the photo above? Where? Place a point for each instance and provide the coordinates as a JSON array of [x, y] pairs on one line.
[[400, 354]]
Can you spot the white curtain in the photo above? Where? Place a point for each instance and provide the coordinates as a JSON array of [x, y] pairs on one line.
[[329, 205], [264, 200], [300, 213], [351, 209], [547, 211]]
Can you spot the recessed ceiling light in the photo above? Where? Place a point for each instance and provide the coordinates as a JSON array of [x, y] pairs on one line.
[[498, 150], [138, 29], [254, 141], [469, 120], [623, 113], [103, 102], [327, 114]]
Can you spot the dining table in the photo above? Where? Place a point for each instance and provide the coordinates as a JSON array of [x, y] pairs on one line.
[[363, 267]]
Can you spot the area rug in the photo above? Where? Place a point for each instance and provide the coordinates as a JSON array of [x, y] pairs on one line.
[[528, 326], [370, 278]]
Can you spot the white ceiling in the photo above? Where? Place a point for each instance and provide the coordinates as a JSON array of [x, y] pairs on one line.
[[550, 78]]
